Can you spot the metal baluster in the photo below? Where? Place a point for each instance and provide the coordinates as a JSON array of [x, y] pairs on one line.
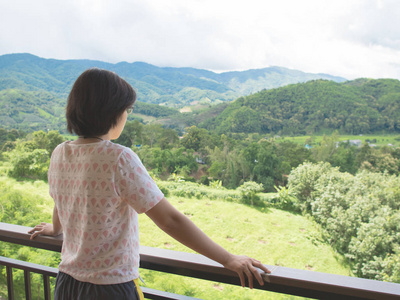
[[10, 283]]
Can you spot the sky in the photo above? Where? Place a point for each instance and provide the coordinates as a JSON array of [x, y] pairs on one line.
[[348, 38]]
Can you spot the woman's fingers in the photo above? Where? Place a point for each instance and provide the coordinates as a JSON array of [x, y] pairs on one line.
[[242, 279], [247, 267], [249, 277], [38, 229], [257, 275], [36, 233], [253, 271]]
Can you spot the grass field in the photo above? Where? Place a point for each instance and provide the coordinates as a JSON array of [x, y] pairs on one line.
[[273, 236]]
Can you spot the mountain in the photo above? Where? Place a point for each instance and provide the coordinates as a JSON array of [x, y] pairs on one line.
[[174, 87], [355, 107], [33, 92]]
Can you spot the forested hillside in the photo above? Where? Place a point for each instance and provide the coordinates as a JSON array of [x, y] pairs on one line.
[[41, 110], [31, 110], [356, 107]]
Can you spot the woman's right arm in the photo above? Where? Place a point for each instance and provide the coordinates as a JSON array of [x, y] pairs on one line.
[[48, 228]]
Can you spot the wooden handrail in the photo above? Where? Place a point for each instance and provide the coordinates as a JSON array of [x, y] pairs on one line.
[[283, 280]]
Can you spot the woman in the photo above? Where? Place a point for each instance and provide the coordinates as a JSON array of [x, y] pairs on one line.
[[99, 188]]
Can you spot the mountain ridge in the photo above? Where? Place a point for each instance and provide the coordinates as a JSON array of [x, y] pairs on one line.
[[158, 85]]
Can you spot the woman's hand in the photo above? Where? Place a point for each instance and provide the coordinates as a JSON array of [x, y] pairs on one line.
[[48, 228], [246, 267], [43, 229]]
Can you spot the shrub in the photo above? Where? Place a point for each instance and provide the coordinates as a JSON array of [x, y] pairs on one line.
[[29, 164], [286, 199], [359, 215], [204, 180], [249, 191], [302, 181]]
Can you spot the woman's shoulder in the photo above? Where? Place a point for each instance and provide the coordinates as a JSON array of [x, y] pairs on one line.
[[59, 147], [120, 149]]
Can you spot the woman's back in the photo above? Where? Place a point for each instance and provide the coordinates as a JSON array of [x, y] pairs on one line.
[[98, 189]]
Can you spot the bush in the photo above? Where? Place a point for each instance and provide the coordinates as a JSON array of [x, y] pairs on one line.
[[302, 181], [286, 199], [29, 164], [359, 215], [22, 207], [249, 191], [204, 180]]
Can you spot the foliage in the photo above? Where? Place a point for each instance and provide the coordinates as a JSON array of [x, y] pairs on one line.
[[31, 157], [8, 138], [33, 165], [136, 134], [197, 139], [359, 215], [249, 190], [286, 200], [154, 110], [25, 204], [315, 106], [31, 110], [176, 160]]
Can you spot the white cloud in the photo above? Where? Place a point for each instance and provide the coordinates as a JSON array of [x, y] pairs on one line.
[[357, 38]]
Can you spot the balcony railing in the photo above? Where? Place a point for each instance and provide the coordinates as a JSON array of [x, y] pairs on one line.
[[282, 280]]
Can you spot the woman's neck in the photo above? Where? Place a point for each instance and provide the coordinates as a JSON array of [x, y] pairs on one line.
[[91, 139]]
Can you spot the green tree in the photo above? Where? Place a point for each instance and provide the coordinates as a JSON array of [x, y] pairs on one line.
[[169, 139], [132, 134], [197, 139], [327, 148], [29, 164], [291, 155], [152, 133]]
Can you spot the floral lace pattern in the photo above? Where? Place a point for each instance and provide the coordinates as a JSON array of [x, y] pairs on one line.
[[99, 189]]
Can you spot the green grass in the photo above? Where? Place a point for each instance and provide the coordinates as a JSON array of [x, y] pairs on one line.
[[273, 236]]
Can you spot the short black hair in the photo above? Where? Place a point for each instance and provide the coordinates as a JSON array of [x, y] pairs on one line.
[[96, 102]]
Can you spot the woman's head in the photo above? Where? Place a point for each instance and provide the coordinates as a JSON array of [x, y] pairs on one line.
[[97, 101]]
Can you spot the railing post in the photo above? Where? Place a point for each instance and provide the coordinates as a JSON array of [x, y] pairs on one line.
[[10, 283], [27, 279], [46, 286]]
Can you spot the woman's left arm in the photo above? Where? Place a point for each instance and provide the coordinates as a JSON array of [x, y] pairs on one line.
[[48, 228]]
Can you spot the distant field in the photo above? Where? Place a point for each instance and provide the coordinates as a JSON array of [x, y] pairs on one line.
[[145, 118], [381, 140]]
